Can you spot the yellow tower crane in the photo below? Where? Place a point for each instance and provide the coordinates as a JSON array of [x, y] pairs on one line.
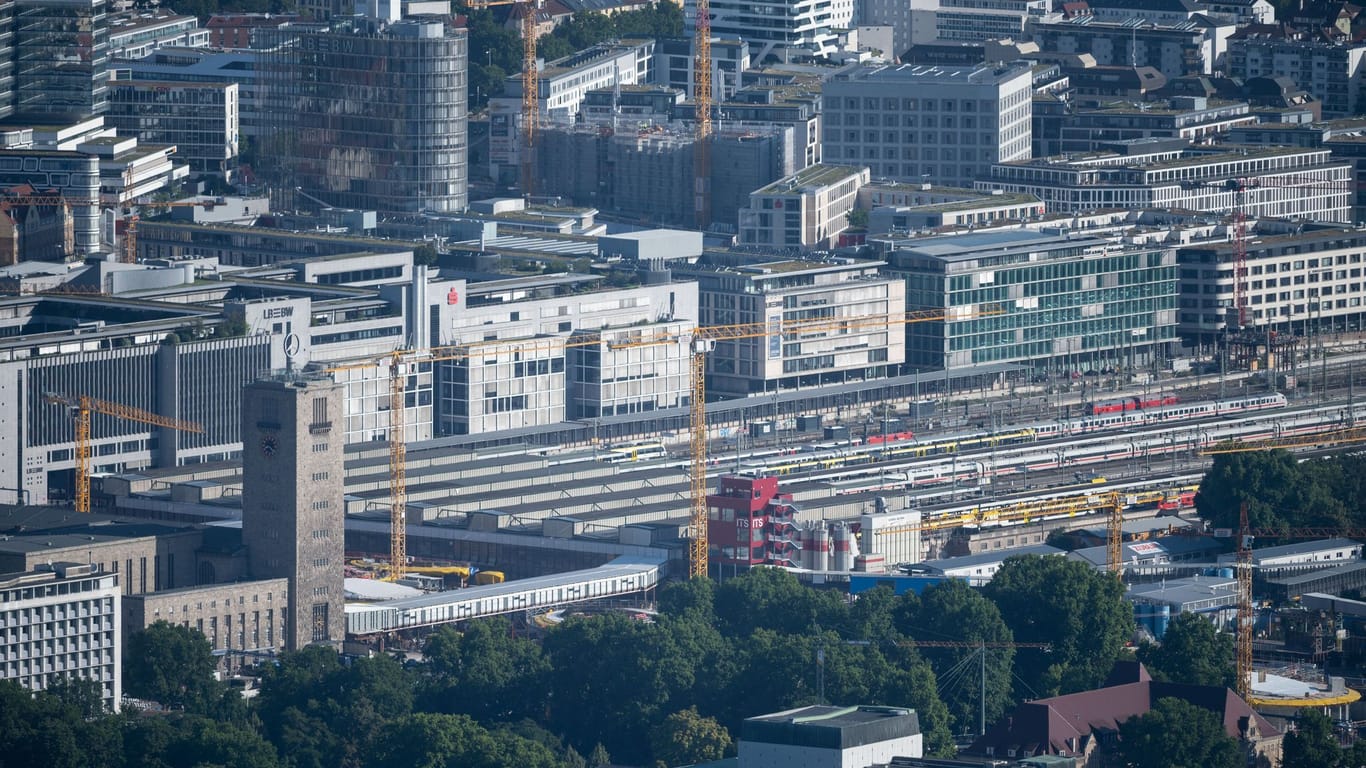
[[82, 407], [701, 341], [531, 84]]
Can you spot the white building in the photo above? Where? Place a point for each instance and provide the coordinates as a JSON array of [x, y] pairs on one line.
[[563, 85], [1280, 181], [772, 26], [136, 34], [540, 350], [62, 620], [1319, 554], [806, 210], [200, 120], [947, 125], [979, 568], [918, 22], [1299, 283], [830, 737], [773, 291]]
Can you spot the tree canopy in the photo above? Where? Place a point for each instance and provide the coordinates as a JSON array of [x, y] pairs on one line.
[[1177, 734], [1282, 492], [1078, 610], [170, 664], [1192, 651]]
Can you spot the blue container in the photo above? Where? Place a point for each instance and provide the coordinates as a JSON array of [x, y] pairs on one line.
[[1225, 573], [1163, 618]]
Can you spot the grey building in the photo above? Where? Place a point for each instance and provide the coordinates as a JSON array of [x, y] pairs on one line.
[[292, 513], [1322, 61], [1046, 300], [241, 620], [947, 125], [200, 119], [61, 620], [830, 737], [371, 115], [55, 59], [1191, 47]]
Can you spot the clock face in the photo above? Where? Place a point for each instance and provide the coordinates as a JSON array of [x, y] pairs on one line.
[[269, 445]]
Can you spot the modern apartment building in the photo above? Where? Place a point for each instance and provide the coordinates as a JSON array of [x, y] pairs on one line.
[[946, 125], [673, 65], [1329, 66], [806, 210], [753, 288], [912, 207], [62, 621], [1054, 302], [775, 25], [371, 114], [921, 22], [201, 120], [1088, 126], [1187, 48], [1278, 181]]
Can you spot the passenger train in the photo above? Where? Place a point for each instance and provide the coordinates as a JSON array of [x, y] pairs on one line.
[[837, 455]]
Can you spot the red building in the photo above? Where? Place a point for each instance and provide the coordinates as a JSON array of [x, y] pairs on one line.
[[742, 517]]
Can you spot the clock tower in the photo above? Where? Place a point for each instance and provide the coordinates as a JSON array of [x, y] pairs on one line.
[[292, 513]]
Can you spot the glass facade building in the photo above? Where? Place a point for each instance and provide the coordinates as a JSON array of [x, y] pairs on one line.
[[58, 57], [373, 116], [1050, 301]]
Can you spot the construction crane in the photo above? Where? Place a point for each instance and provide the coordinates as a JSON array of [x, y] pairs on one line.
[[531, 84], [702, 104], [82, 407], [700, 341]]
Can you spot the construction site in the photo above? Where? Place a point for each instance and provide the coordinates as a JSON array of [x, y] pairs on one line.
[[635, 172]]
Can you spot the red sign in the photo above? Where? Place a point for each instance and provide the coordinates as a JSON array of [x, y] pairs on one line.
[[452, 297]]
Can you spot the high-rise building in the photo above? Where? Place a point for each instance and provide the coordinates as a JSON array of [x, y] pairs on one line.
[[292, 515], [946, 125], [371, 114], [55, 57], [61, 620]]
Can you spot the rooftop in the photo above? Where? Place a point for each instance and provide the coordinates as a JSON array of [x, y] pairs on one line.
[[832, 727], [810, 178], [979, 74], [1302, 548]]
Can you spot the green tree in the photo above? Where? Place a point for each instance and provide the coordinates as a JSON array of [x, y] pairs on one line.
[[170, 664], [1312, 744], [1177, 734], [45, 730], [1080, 611], [773, 598], [612, 678], [599, 758], [425, 254], [955, 607], [685, 737], [1192, 651], [694, 597], [485, 673], [427, 740], [857, 219], [1280, 491]]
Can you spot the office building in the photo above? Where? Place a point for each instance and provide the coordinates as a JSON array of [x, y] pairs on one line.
[[73, 175], [806, 210], [1280, 181], [56, 59], [136, 34], [1322, 61], [292, 512], [673, 65], [946, 125], [1054, 302], [1297, 283], [58, 621], [201, 120], [779, 26], [754, 288], [910, 207], [371, 115], [207, 66], [571, 348], [1092, 125]]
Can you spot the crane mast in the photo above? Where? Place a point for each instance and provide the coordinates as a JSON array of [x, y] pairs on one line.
[[702, 102]]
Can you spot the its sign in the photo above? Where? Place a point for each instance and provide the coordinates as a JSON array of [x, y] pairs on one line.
[[452, 297]]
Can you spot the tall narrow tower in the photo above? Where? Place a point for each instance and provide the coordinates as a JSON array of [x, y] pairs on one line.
[[292, 515]]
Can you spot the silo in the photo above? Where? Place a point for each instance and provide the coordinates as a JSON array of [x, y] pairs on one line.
[[820, 556], [840, 559]]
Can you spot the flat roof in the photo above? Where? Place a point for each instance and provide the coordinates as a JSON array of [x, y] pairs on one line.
[[819, 175], [1303, 548], [986, 558], [832, 727]]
